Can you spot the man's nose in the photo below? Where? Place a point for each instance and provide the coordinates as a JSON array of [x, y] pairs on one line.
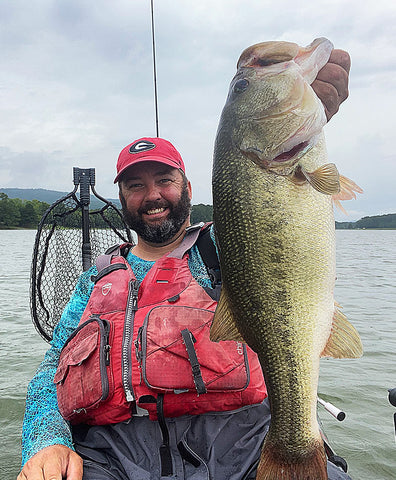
[[153, 192]]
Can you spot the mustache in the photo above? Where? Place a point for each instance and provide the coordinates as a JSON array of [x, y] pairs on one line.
[[153, 205]]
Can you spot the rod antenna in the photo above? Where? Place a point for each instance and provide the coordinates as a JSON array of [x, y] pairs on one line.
[[154, 70]]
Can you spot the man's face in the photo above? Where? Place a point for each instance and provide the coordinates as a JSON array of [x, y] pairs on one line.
[[156, 201]]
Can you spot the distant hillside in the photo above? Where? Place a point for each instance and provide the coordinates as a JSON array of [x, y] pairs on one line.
[[47, 196], [376, 221], [200, 212]]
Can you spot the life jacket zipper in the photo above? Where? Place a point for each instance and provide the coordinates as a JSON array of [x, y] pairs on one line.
[[127, 339], [107, 346]]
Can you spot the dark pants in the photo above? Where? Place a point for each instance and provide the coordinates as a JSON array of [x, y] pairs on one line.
[[219, 446]]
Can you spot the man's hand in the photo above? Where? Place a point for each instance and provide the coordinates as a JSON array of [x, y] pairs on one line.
[[56, 462], [331, 83]]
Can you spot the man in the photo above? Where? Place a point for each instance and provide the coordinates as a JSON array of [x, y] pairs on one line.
[[188, 437]]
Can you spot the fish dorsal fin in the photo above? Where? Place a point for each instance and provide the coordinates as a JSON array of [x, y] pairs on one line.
[[223, 326], [324, 179], [344, 340], [347, 192]]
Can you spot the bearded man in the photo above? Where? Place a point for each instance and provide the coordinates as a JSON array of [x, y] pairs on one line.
[[123, 393]]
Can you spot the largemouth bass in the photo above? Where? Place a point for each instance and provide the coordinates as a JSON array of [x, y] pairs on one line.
[[274, 224]]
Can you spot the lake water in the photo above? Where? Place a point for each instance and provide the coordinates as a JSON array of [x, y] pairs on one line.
[[366, 288]]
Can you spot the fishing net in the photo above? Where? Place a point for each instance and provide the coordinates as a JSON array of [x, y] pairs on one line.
[[69, 238]]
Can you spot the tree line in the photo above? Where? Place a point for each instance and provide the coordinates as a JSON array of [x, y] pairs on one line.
[[376, 221], [17, 213]]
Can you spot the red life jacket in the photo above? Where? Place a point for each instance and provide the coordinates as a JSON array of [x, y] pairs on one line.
[[136, 345]]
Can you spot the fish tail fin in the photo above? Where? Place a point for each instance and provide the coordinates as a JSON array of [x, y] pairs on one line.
[[347, 192], [312, 466]]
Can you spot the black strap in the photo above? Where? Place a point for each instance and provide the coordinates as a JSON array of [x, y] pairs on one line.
[[208, 253], [107, 270], [165, 453], [188, 454], [189, 340]]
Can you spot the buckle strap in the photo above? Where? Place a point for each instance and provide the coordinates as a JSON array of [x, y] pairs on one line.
[[189, 340], [191, 236], [104, 260]]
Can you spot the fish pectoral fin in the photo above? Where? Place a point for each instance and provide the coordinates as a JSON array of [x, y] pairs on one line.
[[344, 340], [347, 191], [223, 326], [324, 179]]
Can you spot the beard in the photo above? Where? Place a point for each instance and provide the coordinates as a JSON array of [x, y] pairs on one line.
[[166, 230]]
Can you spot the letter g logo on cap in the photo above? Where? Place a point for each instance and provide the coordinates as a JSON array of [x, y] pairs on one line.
[[141, 146]]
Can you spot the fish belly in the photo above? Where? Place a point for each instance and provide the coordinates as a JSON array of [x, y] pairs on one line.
[[277, 254]]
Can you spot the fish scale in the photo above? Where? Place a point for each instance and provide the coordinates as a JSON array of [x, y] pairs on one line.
[[275, 231]]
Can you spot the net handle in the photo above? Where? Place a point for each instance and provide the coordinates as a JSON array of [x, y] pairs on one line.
[[85, 178]]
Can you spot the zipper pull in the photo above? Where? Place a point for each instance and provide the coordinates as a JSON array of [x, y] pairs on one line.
[[129, 396], [107, 349], [138, 344], [107, 346], [134, 294]]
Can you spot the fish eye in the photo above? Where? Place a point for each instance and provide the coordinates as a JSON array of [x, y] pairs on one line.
[[241, 85]]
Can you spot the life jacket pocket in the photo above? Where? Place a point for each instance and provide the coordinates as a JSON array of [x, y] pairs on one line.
[[83, 378], [176, 354]]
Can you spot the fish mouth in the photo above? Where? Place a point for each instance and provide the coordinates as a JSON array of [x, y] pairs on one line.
[[293, 153], [282, 164]]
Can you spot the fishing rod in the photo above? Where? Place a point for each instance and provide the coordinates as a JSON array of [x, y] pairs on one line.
[[154, 70], [340, 416], [332, 409]]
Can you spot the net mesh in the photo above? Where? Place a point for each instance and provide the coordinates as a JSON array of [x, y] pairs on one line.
[[57, 256]]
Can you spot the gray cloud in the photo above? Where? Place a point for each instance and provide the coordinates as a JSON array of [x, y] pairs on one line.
[[76, 84]]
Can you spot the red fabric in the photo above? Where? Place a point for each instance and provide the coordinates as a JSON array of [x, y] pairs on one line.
[[169, 301]]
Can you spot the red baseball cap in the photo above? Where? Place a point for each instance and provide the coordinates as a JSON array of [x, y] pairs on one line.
[[148, 149]]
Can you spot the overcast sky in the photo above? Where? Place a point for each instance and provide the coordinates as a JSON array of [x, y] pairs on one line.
[[76, 85]]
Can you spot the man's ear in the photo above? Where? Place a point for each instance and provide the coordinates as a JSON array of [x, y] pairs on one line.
[[189, 188], [120, 191]]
